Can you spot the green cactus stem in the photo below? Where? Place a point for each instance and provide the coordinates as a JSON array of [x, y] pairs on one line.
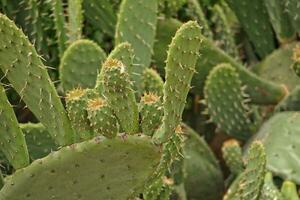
[[102, 118], [277, 67], [292, 7], [166, 29], [224, 35], [24, 69], [180, 67], [38, 140], [12, 140]]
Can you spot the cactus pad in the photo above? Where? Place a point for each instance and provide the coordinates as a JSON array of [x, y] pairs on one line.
[[279, 136], [226, 102], [96, 169], [27, 74], [80, 65]]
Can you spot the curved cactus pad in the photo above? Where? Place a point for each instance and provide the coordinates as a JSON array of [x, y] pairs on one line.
[[97, 169]]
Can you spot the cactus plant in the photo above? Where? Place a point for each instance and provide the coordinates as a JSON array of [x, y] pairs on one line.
[[141, 159]]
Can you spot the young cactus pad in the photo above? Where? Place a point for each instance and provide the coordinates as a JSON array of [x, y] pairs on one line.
[[27, 74], [232, 154], [102, 118], [97, 169]]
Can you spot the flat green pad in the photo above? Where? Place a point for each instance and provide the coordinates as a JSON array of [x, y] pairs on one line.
[[280, 138], [80, 65], [99, 169]]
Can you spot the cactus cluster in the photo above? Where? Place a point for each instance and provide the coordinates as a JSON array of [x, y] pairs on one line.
[[149, 99]]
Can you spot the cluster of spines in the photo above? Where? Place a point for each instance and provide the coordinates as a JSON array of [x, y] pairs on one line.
[[102, 118]]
